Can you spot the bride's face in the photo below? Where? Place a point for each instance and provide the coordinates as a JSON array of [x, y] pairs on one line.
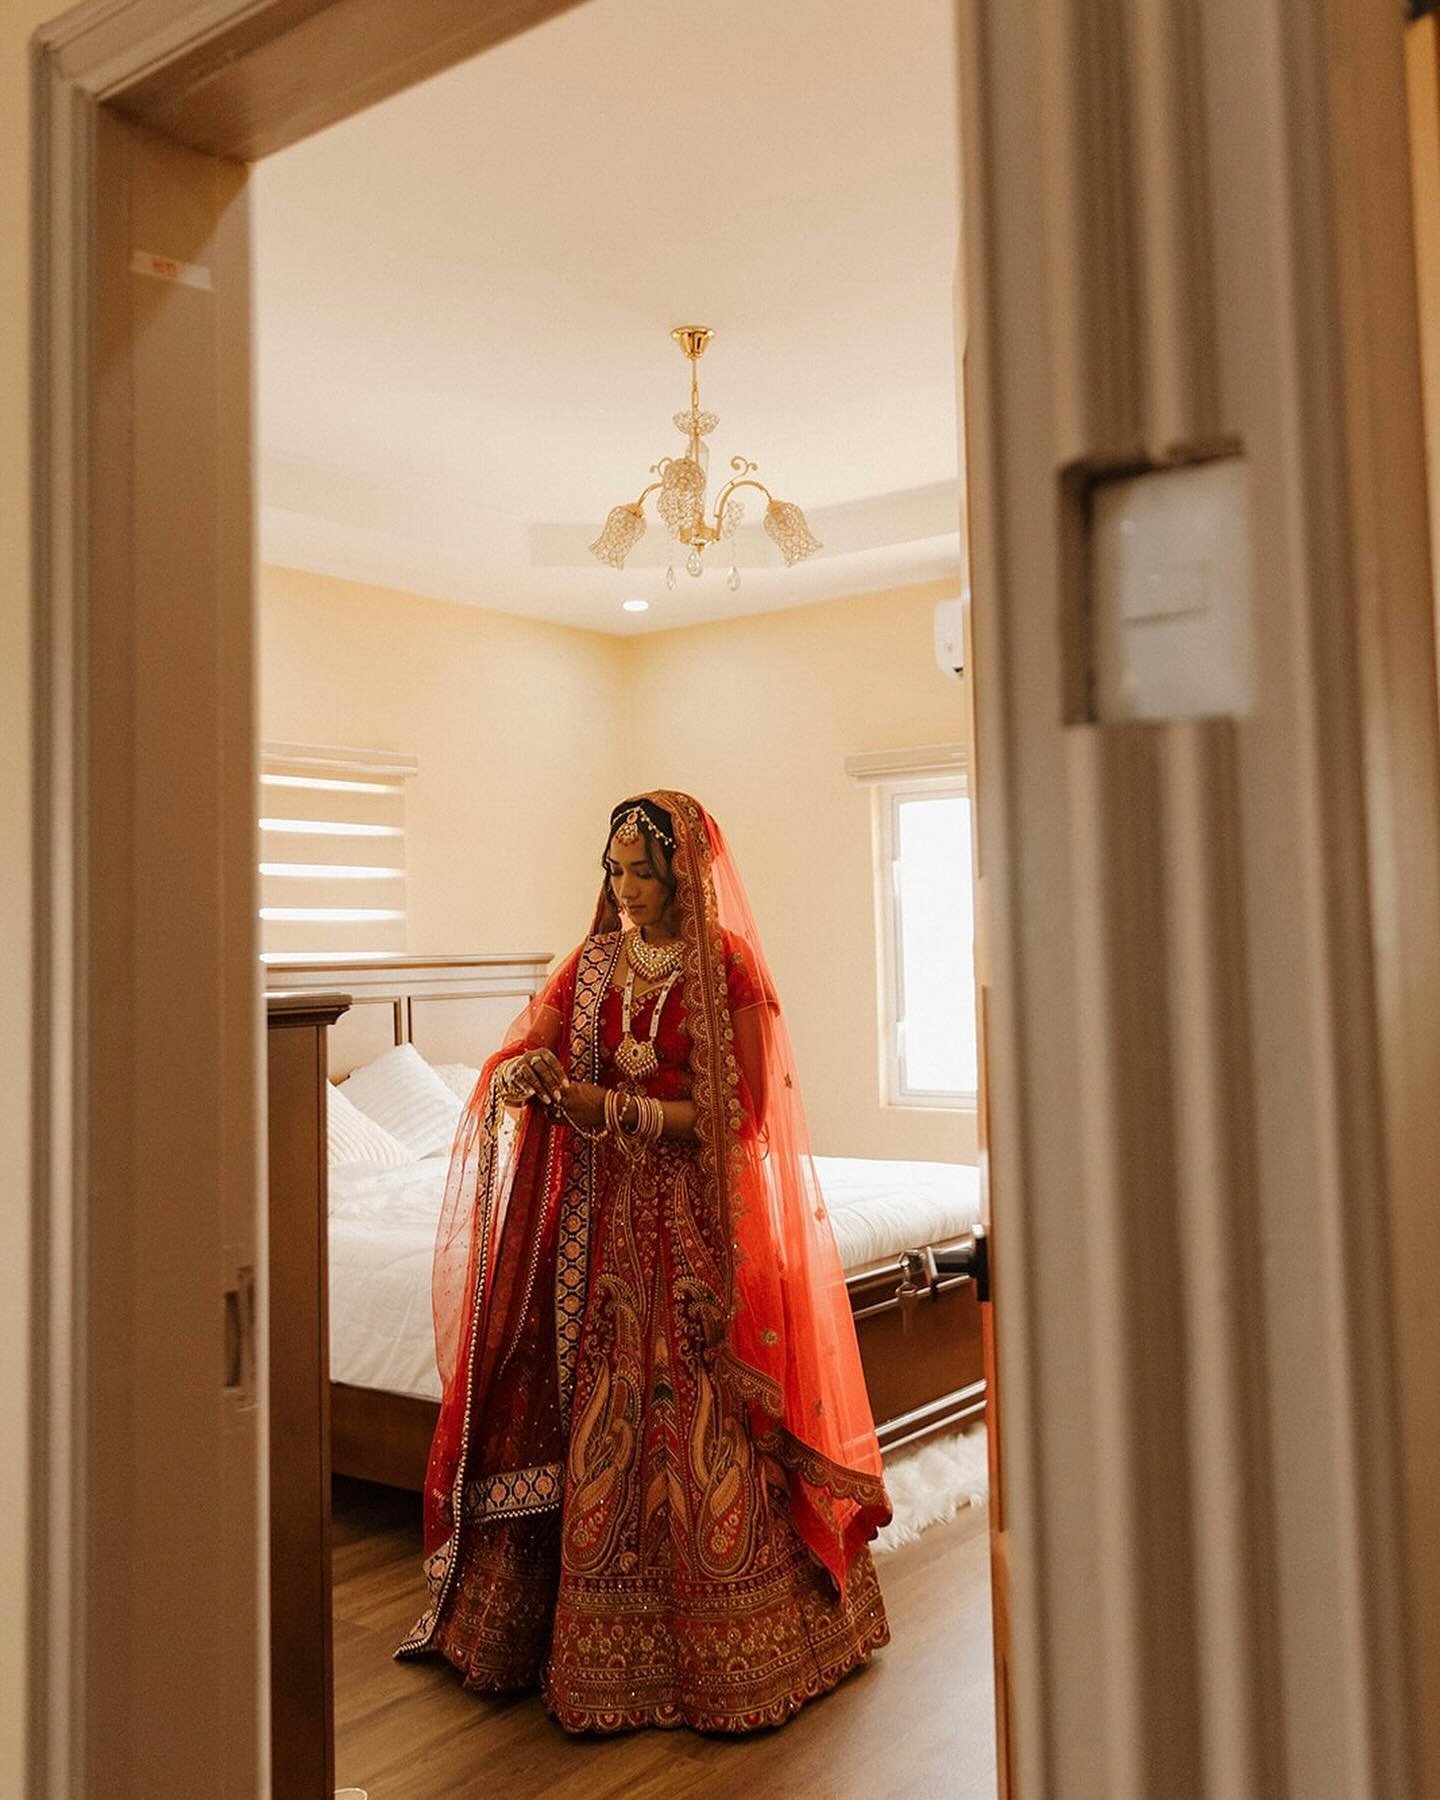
[[639, 887]]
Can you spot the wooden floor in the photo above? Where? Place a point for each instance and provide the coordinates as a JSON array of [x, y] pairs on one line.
[[917, 1722]]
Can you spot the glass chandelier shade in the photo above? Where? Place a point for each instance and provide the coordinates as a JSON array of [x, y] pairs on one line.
[[786, 526], [681, 483], [623, 530], [682, 496]]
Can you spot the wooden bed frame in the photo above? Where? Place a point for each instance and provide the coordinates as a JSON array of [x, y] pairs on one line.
[[919, 1336]]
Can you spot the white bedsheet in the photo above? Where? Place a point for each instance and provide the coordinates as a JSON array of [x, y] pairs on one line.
[[878, 1209], [382, 1233]]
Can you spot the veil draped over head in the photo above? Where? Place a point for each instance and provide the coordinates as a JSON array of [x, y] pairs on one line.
[[785, 1350]]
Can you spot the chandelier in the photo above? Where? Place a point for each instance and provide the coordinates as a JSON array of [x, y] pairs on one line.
[[681, 483]]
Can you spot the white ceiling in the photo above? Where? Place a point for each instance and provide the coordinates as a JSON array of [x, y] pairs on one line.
[[465, 297]]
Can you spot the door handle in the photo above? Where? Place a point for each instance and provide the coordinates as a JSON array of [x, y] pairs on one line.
[[921, 1271], [970, 1256], [239, 1304]]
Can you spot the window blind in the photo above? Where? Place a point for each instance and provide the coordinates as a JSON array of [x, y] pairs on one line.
[[332, 851]]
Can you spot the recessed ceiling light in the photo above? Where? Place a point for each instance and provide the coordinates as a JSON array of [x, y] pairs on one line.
[[636, 605]]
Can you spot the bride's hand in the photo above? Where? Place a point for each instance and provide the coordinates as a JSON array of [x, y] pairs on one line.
[[535, 1075], [583, 1104]]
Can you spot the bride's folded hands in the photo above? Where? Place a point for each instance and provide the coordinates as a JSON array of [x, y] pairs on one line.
[[533, 1075]]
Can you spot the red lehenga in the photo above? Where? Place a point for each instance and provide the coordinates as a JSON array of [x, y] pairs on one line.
[[655, 1472]]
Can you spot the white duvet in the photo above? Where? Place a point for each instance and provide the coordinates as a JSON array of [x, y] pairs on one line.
[[382, 1233]]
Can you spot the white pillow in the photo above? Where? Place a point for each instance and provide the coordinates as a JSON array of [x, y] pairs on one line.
[[460, 1078], [400, 1091], [355, 1138]]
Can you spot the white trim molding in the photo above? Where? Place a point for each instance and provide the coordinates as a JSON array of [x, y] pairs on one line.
[[909, 764]]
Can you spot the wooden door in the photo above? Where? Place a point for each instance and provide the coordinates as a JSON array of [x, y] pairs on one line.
[[1422, 68], [150, 1647]]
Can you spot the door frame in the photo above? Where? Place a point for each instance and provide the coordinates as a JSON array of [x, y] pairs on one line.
[[236, 79], [1214, 945]]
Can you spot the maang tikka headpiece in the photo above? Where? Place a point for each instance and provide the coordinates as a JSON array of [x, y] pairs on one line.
[[636, 821]]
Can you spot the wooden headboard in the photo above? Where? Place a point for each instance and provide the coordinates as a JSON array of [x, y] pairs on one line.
[[452, 1008]]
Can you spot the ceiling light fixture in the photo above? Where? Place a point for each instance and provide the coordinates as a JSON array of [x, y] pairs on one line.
[[681, 483], [635, 605]]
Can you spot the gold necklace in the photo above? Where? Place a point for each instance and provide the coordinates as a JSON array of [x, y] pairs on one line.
[[653, 961], [633, 1058]]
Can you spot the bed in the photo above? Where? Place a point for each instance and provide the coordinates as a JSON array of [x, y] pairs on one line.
[[897, 1224]]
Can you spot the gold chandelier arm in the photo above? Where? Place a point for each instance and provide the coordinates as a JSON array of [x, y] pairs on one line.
[[730, 487], [647, 492]]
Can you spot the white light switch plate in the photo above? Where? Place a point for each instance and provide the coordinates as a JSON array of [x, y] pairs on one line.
[[1170, 594]]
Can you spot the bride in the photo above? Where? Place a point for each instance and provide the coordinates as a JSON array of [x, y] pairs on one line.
[[655, 1473]]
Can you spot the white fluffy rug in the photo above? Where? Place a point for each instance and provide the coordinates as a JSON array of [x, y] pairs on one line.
[[932, 1482]]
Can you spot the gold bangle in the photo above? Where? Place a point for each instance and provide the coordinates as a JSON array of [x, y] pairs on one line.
[[504, 1079]]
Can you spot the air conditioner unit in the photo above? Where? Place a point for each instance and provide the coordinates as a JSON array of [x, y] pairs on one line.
[[950, 636]]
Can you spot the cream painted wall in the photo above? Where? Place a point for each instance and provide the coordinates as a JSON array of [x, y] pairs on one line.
[[513, 722], [755, 716], [20, 17]]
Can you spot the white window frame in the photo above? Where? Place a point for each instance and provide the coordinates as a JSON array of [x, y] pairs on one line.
[[889, 797], [938, 770]]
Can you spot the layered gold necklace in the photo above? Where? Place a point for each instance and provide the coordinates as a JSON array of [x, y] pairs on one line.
[[634, 1058], [653, 961]]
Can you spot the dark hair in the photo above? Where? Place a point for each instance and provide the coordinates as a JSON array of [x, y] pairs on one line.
[[657, 828]]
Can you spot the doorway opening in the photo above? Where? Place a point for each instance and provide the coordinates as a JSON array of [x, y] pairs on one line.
[[464, 360]]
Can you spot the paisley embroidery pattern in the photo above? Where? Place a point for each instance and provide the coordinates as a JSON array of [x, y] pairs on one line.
[[606, 1430]]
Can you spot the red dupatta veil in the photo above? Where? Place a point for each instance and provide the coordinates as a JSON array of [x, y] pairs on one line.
[[513, 1229]]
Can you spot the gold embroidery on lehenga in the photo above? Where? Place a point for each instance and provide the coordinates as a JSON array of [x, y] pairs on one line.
[[722, 1461], [606, 1433], [515, 1493], [572, 1253]]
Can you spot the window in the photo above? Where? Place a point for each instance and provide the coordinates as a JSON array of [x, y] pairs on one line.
[[332, 852], [925, 911], [929, 944]]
